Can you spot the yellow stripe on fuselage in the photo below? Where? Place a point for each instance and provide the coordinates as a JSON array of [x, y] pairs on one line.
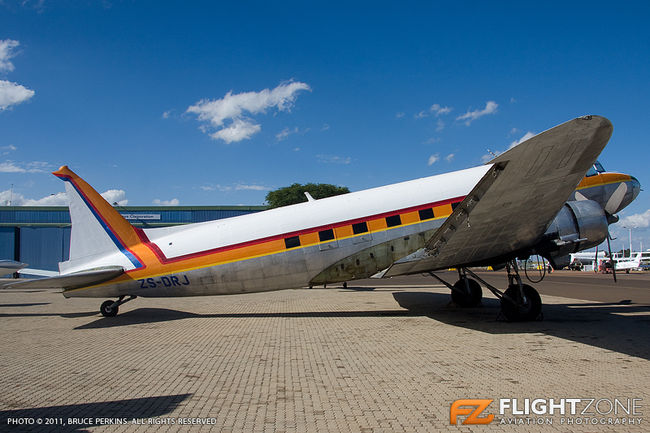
[[603, 179], [155, 268]]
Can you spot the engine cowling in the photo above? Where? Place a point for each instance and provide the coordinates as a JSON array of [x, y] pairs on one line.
[[579, 225]]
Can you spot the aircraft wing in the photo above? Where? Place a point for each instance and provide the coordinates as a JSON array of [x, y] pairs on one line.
[[512, 205], [68, 281]]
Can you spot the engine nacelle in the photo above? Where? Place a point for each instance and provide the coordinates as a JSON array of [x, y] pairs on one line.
[[579, 225]]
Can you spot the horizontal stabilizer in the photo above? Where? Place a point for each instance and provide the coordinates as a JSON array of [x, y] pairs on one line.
[[68, 281], [10, 266], [39, 272]]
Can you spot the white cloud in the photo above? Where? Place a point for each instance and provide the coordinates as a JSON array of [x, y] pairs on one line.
[[525, 137], [282, 135], [400, 115], [172, 202], [438, 110], [449, 157], [242, 187], [440, 125], [470, 116], [239, 129], [12, 94], [432, 140], [166, 114], [216, 187], [115, 196], [433, 159], [58, 199], [639, 220], [228, 113], [325, 127], [333, 159], [286, 132], [7, 149], [235, 187], [30, 167], [6, 52], [435, 110]]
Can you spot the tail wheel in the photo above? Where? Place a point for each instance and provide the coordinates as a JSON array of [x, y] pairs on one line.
[[521, 310], [107, 309], [462, 298]]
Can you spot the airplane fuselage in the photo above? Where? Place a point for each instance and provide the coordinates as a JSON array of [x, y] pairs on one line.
[[323, 241]]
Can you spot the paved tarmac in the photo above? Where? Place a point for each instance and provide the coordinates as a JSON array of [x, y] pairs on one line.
[[388, 355]]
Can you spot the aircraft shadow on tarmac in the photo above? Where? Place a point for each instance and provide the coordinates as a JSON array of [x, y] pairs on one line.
[[64, 315], [136, 408], [606, 325], [25, 305]]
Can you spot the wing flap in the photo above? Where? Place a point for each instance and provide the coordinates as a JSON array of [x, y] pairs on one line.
[[512, 205], [68, 281]]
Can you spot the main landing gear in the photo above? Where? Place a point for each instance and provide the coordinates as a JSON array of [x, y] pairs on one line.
[[466, 292], [110, 308], [519, 303]]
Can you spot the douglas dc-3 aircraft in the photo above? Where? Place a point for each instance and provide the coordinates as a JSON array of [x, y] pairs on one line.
[[522, 202]]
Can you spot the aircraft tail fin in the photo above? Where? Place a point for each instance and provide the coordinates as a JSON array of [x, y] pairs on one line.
[[100, 235]]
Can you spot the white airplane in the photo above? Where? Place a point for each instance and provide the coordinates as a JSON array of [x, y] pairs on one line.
[[628, 264], [489, 214]]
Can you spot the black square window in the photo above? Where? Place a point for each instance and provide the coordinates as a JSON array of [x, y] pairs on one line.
[[426, 214], [292, 242], [454, 206], [393, 221], [359, 228], [326, 235]]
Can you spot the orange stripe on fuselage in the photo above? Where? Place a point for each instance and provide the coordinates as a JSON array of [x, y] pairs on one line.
[[159, 264], [602, 179]]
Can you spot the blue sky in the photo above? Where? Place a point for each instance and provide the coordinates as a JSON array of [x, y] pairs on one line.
[[165, 102]]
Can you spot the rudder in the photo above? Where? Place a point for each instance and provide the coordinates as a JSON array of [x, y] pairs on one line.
[[100, 236]]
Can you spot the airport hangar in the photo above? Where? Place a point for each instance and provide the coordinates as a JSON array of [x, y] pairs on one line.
[[40, 235]]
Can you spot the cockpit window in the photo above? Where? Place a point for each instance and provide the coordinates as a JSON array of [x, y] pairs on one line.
[[595, 169], [599, 167]]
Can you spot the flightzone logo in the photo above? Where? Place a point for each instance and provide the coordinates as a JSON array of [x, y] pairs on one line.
[[547, 411]]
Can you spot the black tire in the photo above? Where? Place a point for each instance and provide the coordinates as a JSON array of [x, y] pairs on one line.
[[463, 299], [518, 312], [107, 310]]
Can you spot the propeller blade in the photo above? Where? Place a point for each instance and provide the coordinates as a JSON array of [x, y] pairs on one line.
[[611, 258], [596, 260]]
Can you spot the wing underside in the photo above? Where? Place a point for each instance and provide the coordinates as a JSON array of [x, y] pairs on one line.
[[512, 205]]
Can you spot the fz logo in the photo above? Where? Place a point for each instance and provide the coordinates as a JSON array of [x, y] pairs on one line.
[[471, 408]]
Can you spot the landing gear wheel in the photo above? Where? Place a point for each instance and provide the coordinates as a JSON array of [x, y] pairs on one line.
[[463, 299], [521, 311], [107, 310]]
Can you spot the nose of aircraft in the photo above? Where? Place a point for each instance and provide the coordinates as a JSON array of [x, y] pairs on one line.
[[633, 189], [635, 186]]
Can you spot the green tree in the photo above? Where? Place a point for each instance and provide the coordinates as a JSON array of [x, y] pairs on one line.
[[296, 193]]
